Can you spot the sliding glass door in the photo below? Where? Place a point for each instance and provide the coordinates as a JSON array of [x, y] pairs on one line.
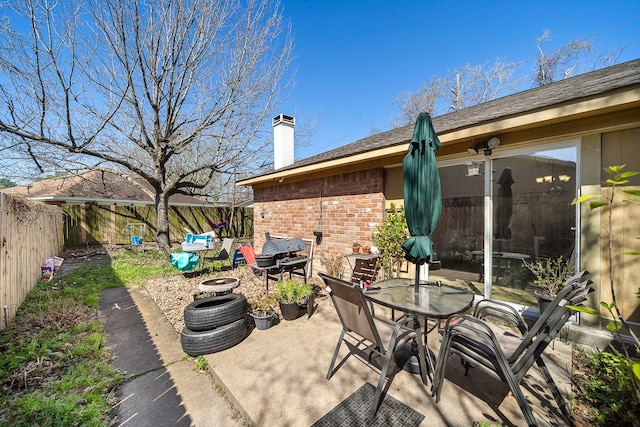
[[500, 212], [532, 217]]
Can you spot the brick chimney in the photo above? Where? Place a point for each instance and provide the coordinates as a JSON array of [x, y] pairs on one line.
[[283, 140]]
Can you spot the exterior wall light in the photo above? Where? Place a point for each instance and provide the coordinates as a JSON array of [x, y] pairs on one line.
[[487, 145], [475, 149]]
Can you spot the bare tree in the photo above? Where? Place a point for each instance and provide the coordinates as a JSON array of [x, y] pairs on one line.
[[464, 87], [424, 100], [480, 83], [559, 64], [176, 92], [607, 59], [475, 84]]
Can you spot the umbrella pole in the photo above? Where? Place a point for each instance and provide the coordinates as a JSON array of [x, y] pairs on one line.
[[417, 283]]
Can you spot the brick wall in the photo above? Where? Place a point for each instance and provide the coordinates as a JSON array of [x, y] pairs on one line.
[[347, 208]]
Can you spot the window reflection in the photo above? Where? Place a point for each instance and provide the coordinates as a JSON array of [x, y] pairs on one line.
[[532, 219], [460, 230]]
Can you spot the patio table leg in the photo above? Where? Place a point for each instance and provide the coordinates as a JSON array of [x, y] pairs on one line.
[[419, 350]]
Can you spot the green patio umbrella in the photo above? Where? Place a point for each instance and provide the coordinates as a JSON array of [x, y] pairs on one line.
[[422, 195], [505, 206]]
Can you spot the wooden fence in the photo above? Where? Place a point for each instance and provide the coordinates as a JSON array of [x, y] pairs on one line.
[[90, 223], [30, 232]]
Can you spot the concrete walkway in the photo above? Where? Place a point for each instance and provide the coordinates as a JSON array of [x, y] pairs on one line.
[[163, 387], [276, 377]]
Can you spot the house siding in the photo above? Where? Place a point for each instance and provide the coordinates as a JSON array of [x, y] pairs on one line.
[[346, 208], [620, 148]]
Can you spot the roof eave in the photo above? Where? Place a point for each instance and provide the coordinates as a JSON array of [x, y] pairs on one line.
[[617, 99]]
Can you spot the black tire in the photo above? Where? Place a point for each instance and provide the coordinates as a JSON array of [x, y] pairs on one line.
[[207, 342], [213, 312]]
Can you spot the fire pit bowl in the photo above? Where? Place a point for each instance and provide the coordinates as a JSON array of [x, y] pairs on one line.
[[219, 284]]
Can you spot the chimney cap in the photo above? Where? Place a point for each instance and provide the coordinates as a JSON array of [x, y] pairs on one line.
[[283, 118]]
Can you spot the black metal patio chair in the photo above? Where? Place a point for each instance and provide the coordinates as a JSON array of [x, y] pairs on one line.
[[507, 353], [370, 333]]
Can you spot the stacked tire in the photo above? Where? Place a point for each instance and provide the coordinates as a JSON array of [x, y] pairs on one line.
[[214, 324]]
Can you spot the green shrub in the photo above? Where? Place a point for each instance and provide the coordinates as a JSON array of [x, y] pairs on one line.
[[291, 291], [606, 386], [389, 238]]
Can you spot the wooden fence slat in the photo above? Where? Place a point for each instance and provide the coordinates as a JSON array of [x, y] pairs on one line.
[[30, 232], [108, 224]]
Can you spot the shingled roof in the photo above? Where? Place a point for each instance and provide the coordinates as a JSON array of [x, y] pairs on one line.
[[571, 89], [94, 186]]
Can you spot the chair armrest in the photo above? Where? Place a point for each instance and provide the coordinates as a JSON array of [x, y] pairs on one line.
[[473, 332], [403, 321], [397, 325], [499, 310]]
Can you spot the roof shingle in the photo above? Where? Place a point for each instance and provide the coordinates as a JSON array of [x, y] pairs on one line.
[[94, 186], [571, 89]]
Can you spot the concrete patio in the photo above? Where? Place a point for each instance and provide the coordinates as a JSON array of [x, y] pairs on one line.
[[276, 377]]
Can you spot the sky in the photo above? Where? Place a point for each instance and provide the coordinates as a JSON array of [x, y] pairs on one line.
[[353, 58]]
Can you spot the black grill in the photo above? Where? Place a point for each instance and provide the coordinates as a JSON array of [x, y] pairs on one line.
[[281, 248], [285, 257]]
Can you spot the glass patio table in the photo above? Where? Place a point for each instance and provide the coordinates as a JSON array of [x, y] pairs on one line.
[[432, 301]]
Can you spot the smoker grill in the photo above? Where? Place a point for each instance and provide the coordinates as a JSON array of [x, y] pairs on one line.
[[285, 258], [283, 248]]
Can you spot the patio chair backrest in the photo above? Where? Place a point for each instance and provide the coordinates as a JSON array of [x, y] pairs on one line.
[[563, 295], [225, 252], [550, 323], [352, 309], [248, 253]]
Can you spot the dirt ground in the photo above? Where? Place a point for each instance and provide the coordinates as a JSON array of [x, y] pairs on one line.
[[75, 258]]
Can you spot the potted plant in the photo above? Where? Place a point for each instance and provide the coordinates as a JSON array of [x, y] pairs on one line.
[[355, 247], [550, 275], [366, 249], [263, 310], [291, 294]]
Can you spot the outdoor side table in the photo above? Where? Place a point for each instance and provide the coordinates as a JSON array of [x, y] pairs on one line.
[[358, 260], [201, 250]]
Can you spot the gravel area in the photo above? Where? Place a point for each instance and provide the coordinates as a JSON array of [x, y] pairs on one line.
[[174, 292]]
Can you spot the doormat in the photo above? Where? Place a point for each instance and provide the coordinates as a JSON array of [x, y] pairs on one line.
[[354, 411]]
